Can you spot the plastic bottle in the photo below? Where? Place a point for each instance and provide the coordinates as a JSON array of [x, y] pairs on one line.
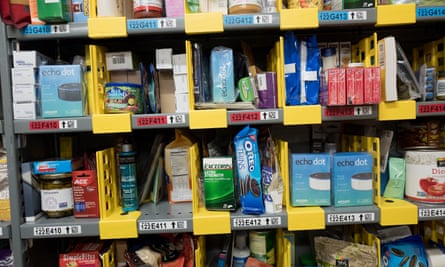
[[240, 251], [147, 8], [128, 181]]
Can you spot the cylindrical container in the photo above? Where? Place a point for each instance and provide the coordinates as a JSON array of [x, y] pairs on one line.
[[421, 134], [128, 181], [56, 194], [147, 8], [425, 176], [329, 58], [440, 87], [240, 252], [245, 6], [362, 181], [110, 8], [123, 97], [262, 246], [320, 181]]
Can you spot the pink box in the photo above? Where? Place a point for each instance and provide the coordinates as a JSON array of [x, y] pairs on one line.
[[174, 8], [377, 88], [368, 87], [354, 86], [332, 87], [341, 98]]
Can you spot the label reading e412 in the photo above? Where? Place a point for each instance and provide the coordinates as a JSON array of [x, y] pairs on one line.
[[256, 222]]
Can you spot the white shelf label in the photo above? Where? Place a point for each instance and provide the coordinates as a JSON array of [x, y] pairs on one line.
[[166, 23], [68, 124], [176, 119], [57, 230], [357, 15], [60, 28], [262, 19], [255, 222], [162, 225], [362, 111], [346, 218], [269, 115], [431, 212], [1, 231]]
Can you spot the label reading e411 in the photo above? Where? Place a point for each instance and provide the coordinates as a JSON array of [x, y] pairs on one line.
[[162, 225], [431, 212]]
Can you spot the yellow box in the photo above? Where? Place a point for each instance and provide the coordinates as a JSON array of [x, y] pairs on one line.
[[397, 110], [299, 18], [208, 119], [397, 212], [111, 123], [199, 23], [396, 14], [299, 115], [107, 27]]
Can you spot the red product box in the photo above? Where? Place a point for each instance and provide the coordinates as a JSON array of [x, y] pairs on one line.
[[354, 85], [377, 88], [341, 98], [85, 194], [82, 255], [332, 87], [368, 88]]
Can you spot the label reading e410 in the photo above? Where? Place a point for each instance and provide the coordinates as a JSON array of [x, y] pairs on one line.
[[57, 230]]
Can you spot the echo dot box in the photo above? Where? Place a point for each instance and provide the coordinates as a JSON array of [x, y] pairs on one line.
[[63, 91]]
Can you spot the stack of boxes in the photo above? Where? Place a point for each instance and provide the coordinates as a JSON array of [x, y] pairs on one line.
[[172, 73], [25, 87]]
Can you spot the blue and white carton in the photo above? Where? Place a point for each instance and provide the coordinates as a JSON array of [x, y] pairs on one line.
[[310, 179], [63, 91], [352, 179]]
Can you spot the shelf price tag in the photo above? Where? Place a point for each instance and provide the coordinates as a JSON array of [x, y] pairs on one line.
[[256, 222], [430, 108], [342, 15], [46, 29], [44, 125], [355, 111], [245, 116], [162, 225], [423, 12], [347, 218], [68, 124], [431, 212], [57, 230], [145, 24], [176, 119], [152, 120], [247, 19]]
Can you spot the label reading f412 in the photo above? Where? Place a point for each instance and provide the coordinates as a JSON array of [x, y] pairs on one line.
[[256, 222], [348, 218], [431, 212], [162, 225], [57, 230]]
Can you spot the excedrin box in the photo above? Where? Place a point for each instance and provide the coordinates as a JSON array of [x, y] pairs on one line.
[[352, 179], [310, 179]]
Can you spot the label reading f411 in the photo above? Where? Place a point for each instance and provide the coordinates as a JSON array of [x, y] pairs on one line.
[[162, 225], [348, 218], [256, 222], [152, 120], [57, 230]]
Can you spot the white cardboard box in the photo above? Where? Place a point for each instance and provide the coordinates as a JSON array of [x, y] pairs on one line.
[[181, 83], [119, 60], [182, 103], [24, 93], [164, 59], [26, 111], [29, 59], [26, 75], [179, 64]]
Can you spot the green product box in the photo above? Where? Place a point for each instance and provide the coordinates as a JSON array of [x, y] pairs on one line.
[[54, 11], [219, 184]]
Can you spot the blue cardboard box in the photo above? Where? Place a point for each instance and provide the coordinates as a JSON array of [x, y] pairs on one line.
[[63, 91], [310, 179], [352, 179]]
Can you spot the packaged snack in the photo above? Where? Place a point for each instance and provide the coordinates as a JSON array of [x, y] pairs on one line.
[[249, 171], [408, 251]]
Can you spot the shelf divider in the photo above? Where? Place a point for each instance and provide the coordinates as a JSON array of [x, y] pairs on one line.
[[206, 22], [396, 14], [299, 18]]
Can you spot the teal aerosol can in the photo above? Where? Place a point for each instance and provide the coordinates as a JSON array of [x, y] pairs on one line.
[[128, 179]]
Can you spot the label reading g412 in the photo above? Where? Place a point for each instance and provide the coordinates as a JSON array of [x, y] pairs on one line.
[[238, 19], [348, 218], [57, 230], [256, 222], [430, 11]]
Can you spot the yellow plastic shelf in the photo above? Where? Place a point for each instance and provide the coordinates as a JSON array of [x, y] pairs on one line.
[[200, 252], [117, 225], [206, 119], [208, 22], [398, 110], [397, 212], [299, 18], [111, 123], [107, 27], [305, 218], [211, 222], [396, 14], [297, 115]]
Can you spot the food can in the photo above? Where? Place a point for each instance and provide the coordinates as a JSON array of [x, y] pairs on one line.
[[262, 246], [123, 98], [425, 176], [421, 134], [56, 194]]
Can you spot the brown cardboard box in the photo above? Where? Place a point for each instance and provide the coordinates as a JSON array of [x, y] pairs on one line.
[[167, 91], [126, 76]]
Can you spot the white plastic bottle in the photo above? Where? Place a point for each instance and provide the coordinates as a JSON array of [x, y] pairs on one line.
[[240, 251]]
